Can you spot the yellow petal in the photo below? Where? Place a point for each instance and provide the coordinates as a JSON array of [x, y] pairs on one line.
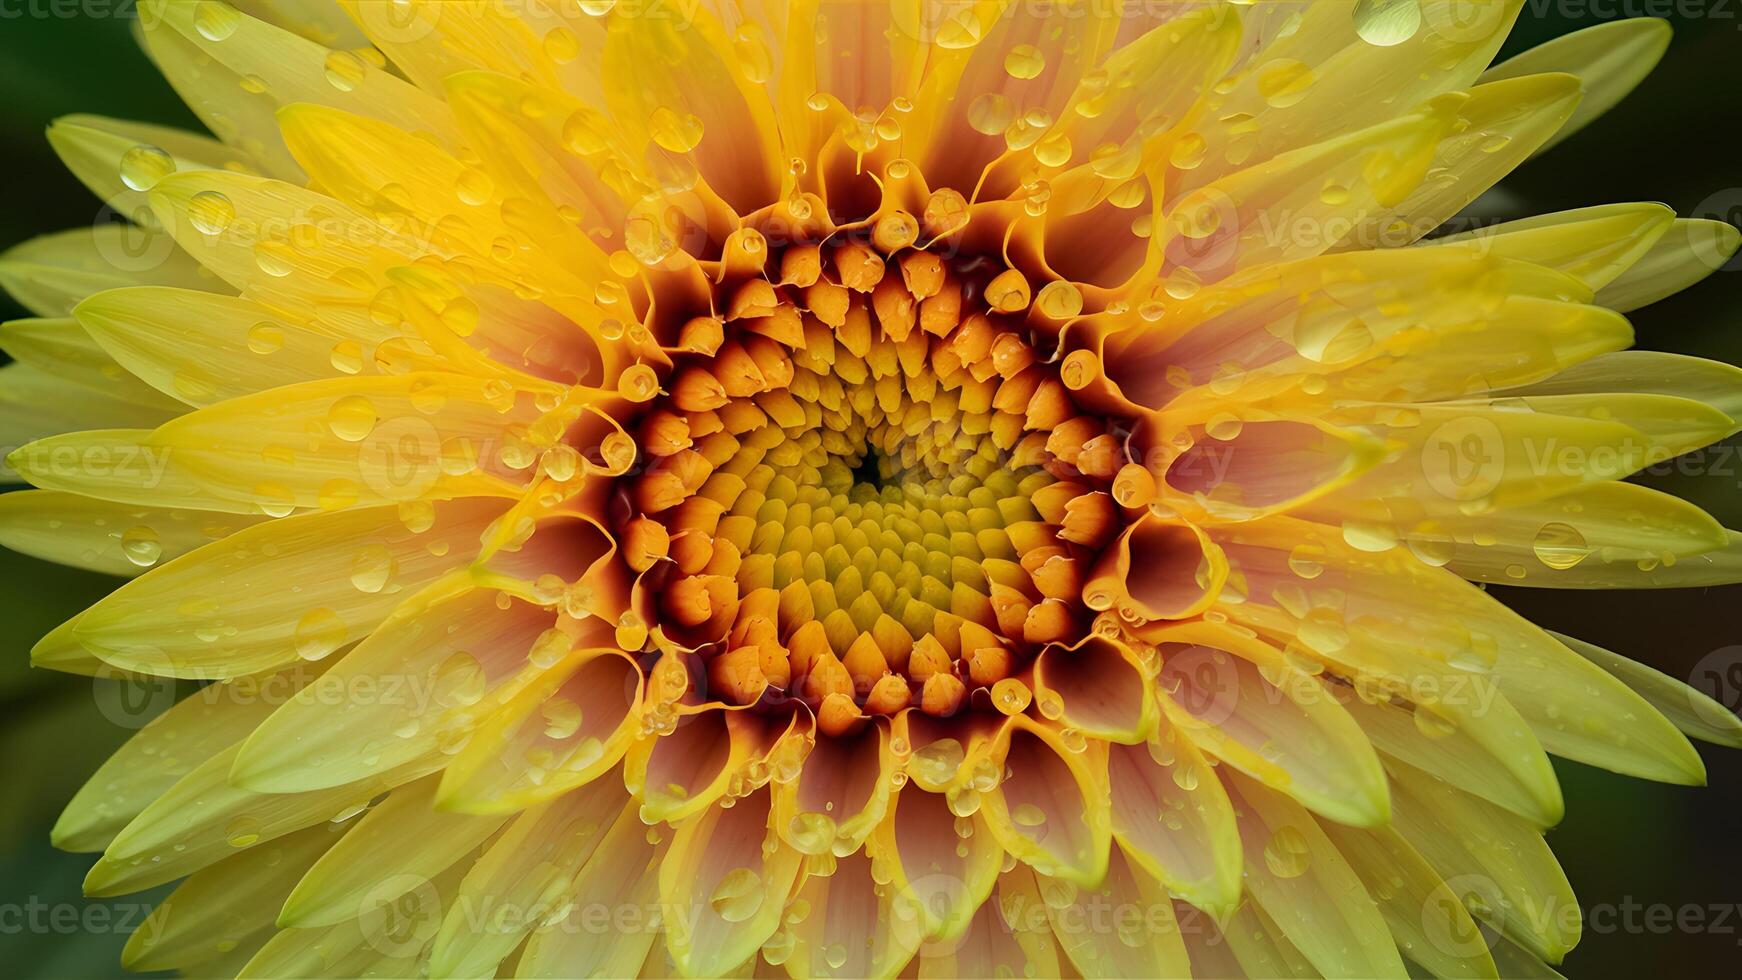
[[1172, 818], [280, 68], [1713, 383], [327, 444], [1433, 740], [1351, 605], [723, 887], [1503, 122], [1130, 945], [1010, 935], [1485, 852], [614, 921], [401, 841], [683, 772], [62, 348], [1099, 688], [843, 924], [1691, 250], [384, 939], [1307, 888], [1448, 50], [226, 904], [841, 795], [50, 274], [700, 107], [940, 866], [120, 160], [1609, 60], [528, 871], [243, 347], [173, 744], [413, 687], [1691, 711], [116, 539], [1607, 535], [1259, 947], [156, 623], [1426, 916], [354, 157], [1051, 809], [203, 818], [1238, 699], [565, 728], [1595, 244]]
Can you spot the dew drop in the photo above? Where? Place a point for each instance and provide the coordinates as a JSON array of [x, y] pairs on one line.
[[1024, 61], [561, 45], [1560, 546], [562, 717], [1287, 854], [1054, 150], [1188, 151], [265, 337], [141, 545], [347, 357], [1185, 776], [1433, 724], [242, 831], [372, 569], [144, 165], [345, 70], [1284, 82], [679, 132], [210, 212], [835, 955], [474, 187], [460, 680], [991, 113], [318, 633], [273, 258], [1370, 536], [1307, 561], [938, 762], [216, 21], [352, 418], [738, 895], [1383, 23], [1060, 300]]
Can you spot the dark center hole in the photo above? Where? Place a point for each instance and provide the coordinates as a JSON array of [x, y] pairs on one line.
[[869, 470]]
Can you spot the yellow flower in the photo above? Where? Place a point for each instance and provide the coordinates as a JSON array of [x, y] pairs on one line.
[[855, 487]]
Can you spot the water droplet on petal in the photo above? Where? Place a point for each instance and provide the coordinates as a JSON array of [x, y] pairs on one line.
[[1287, 854], [319, 633], [210, 212], [144, 165], [738, 895], [352, 418], [1383, 23], [141, 545], [216, 21], [345, 70], [1560, 546]]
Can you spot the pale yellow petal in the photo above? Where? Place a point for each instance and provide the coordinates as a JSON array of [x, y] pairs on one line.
[[401, 841], [160, 621], [49, 275], [1609, 60]]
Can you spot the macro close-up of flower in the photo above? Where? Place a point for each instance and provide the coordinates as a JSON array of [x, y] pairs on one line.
[[850, 488]]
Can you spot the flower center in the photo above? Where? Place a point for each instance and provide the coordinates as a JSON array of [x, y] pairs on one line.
[[866, 488]]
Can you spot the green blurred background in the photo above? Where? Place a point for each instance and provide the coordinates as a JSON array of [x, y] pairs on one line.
[[1624, 842]]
